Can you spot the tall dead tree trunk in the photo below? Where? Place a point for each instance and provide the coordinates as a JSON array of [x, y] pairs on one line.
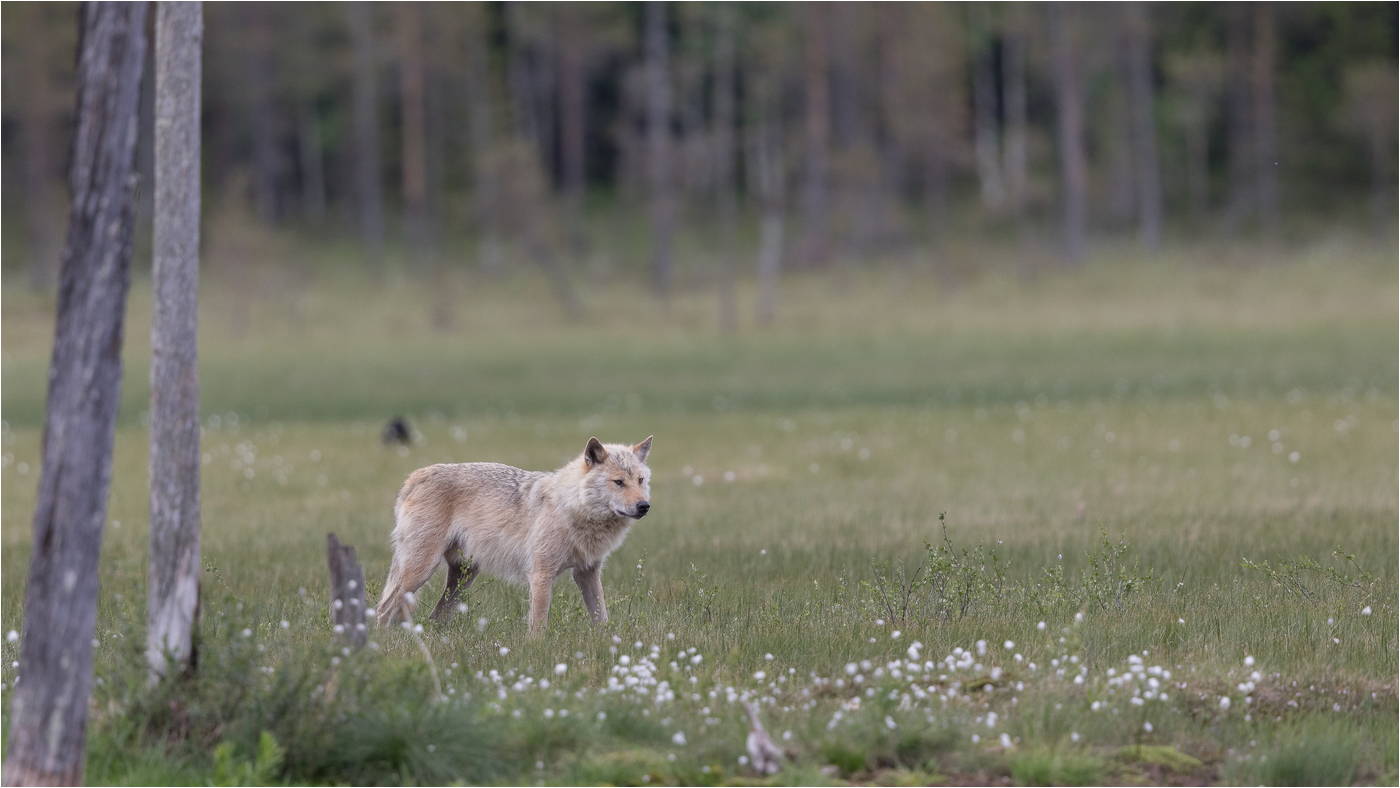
[[1240, 146], [1069, 99], [48, 718], [572, 121], [659, 162], [1146, 172], [1013, 68], [172, 590], [370, 191], [984, 108], [817, 190], [768, 160], [481, 135], [1265, 152], [723, 139], [415, 176]]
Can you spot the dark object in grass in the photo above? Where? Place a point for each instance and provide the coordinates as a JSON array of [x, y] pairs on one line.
[[397, 432], [347, 593]]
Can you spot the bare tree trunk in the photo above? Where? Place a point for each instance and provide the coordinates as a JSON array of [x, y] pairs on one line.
[[572, 121], [266, 167], [1240, 148], [724, 162], [769, 162], [1070, 105], [659, 146], [366, 111], [172, 590], [816, 194], [1147, 174], [1265, 154], [415, 177], [312, 155], [37, 129], [1013, 67], [481, 131], [347, 593], [984, 108], [48, 719]]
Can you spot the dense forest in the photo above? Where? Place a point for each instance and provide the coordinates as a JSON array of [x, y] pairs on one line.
[[796, 135]]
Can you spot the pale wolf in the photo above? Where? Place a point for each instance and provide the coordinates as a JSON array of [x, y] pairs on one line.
[[521, 526]]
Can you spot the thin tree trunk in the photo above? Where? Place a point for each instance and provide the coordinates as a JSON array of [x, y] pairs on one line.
[[816, 194], [1197, 172], [1240, 148], [771, 171], [415, 177], [984, 108], [37, 127], [369, 190], [481, 131], [1070, 106], [572, 121], [659, 146], [313, 173], [48, 719], [266, 167], [724, 162], [1146, 171], [1265, 154], [172, 590], [1013, 66]]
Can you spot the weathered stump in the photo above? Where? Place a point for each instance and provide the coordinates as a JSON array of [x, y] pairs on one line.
[[347, 593]]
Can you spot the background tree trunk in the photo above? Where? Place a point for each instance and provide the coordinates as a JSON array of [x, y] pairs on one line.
[[481, 130], [723, 140], [572, 121], [1147, 175], [172, 591], [263, 125], [816, 194], [1069, 99], [48, 719], [1265, 153], [369, 190], [659, 169], [38, 128], [984, 107], [312, 162], [768, 147], [415, 177], [1239, 147], [1013, 68]]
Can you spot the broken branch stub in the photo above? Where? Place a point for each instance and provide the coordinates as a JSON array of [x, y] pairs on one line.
[[347, 593]]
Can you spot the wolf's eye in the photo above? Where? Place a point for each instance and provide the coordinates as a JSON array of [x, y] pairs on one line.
[[619, 482], [641, 480]]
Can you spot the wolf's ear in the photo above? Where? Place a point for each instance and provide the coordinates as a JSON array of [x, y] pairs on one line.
[[643, 449], [594, 453]]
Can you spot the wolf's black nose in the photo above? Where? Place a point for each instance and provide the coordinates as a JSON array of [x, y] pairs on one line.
[[643, 508]]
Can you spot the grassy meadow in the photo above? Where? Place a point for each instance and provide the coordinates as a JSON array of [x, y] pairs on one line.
[[1082, 461]]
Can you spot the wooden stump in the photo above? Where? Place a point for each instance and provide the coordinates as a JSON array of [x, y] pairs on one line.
[[347, 593]]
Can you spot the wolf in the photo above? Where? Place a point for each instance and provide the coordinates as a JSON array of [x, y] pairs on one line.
[[525, 527]]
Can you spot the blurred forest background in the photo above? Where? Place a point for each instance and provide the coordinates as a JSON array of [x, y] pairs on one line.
[[700, 144]]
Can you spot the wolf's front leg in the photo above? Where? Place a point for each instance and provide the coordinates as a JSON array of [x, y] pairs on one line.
[[590, 583], [541, 584]]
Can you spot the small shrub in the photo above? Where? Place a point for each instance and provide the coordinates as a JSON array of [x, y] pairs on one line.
[[1043, 766]]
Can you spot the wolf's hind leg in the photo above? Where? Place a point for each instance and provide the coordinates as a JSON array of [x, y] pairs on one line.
[[413, 563], [590, 584], [460, 575]]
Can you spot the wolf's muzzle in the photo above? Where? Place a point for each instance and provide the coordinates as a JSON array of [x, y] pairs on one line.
[[642, 509]]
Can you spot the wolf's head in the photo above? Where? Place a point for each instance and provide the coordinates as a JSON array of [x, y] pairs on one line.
[[618, 477]]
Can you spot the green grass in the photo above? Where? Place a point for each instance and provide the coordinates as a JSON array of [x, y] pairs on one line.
[[1036, 414]]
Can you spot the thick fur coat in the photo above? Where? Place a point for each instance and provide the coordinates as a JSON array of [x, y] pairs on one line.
[[525, 527]]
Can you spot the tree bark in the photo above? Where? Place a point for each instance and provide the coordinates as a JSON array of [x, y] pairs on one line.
[[48, 721], [572, 119], [984, 108], [347, 593], [366, 112], [1265, 153], [1238, 122], [724, 162], [172, 590], [266, 164], [816, 194], [1147, 175], [1069, 101], [658, 72], [415, 176], [1013, 67], [481, 136], [771, 177]]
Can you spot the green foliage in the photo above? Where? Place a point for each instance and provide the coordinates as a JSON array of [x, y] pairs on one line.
[[1043, 766], [1315, 751], [264, 766], [1306, 578]]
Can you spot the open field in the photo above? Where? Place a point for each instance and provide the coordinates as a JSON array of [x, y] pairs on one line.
[[1204, 414]]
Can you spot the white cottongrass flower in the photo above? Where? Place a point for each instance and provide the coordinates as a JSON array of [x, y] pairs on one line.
[[679, 739], [247, 633], [286, 624], [1365, 611], [768, 657], [13, 636], [1006, 741], [481, 624], [895, 635], [760, 675], [1040, 626], [879, 622], [1249, 662], [1078, 617], [504, 651], [851, 668], [1009, 645], [976, 739], [602, 715], [549, 714], [561, 669], [417, 629], [1224, 704], [890, 723], [1147, 726]]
